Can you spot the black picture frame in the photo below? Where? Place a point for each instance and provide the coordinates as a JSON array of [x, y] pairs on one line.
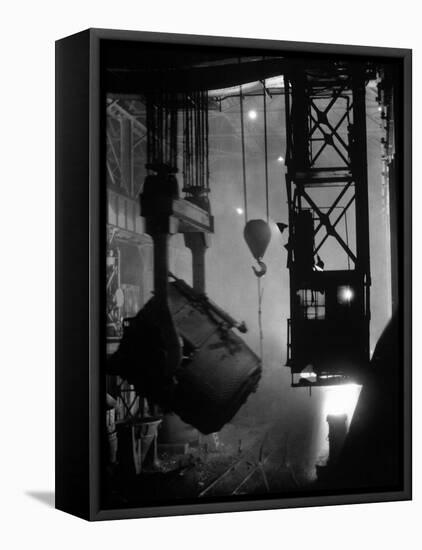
[[79, 278]]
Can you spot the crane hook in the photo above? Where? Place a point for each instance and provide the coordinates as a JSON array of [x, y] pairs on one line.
[[262, 271]]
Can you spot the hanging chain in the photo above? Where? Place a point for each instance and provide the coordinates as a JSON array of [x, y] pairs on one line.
[[242, 128], [266, 154], [261, 333], [261, 272], [195, 145], [161, 131]]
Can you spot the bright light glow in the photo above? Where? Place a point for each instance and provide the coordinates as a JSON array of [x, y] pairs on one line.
[[274, 82], [239, 211], [348, 294], [380, 109], [307, 375], [345, 294], [341, 399], [252, 114], [280, 159]]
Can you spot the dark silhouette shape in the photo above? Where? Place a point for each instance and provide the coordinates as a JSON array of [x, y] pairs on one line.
[[372, 454], [282, 226], [319, 263]]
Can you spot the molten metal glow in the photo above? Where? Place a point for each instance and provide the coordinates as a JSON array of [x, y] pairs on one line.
[[341, 399]]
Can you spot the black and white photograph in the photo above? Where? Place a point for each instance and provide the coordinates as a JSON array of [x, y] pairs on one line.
[[253, 296], [211, 275]]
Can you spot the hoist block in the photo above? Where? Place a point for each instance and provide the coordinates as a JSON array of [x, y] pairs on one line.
[[257, 234]]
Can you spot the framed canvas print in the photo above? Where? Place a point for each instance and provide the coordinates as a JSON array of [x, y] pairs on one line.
[[233, 274]]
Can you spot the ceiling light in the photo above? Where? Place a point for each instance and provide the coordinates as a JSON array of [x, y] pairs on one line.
[[252, 114]]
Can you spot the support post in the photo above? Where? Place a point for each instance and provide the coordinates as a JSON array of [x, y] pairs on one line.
[[198, 243], [157, 199], [126, 156]]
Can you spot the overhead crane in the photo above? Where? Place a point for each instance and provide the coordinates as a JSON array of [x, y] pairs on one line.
[[328, 248]]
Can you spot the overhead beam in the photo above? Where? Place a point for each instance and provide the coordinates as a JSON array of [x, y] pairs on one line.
[[201, 78]]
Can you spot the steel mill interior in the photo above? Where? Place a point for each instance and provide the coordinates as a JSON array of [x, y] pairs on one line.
[[251, 274]]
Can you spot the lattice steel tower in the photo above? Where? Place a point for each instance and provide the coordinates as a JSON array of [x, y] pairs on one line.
[[328, 248]]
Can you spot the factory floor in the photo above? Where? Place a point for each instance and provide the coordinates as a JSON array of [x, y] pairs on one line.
[[250, 462]]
